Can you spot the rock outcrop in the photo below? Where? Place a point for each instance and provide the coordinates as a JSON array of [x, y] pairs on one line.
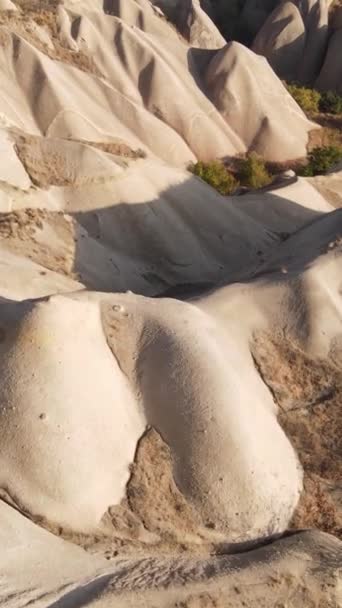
[[234, 75], [300, 41], [127, 76], [170, 358], [282, 40]]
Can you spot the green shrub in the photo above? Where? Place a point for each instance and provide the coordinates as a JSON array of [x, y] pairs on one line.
[[320, 160], [253, 173], [331, 102], [307, 99], [216, 175]]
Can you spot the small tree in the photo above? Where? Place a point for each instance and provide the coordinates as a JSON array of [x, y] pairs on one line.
[[331, 102], [216, 175], [320, 160], [307, 99], [253, 172]]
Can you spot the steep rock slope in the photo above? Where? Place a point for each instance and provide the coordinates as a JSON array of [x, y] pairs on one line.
[[144, 86], [235, 75], [282, 40], [54, 572], [197, 27], [294, 40], [301, 41], [173, 442], [330, 76], [294, 294], [267, 299], [132, 223]]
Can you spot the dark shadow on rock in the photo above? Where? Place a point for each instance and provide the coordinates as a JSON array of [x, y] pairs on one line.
[[314, 56], [302, 59], [286, 60], [84, 594], [198, 62], [181, 243]]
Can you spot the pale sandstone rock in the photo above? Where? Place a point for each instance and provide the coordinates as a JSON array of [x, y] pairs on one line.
[[304, 567], [197, 27], [83, 375], [282, 40], [142, 86], [7, 5], [231, 80]]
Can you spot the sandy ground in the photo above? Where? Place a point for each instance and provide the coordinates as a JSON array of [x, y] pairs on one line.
[[308, 393]]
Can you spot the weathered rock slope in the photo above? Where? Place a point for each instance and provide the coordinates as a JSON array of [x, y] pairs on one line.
[[170, 359]]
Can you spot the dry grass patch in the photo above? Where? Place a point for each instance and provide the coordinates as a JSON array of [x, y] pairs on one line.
[[24, 24], [20, 233], [118, 148], [154, 513], [48, 167], [309, 394]]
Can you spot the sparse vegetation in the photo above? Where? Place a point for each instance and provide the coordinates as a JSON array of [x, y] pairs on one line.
[[320, 160], [325, 144], [312, 423], [43, 14], [250, 172], [313, 102], [330, 102], [216, 175], [307, 99], [253, 172]]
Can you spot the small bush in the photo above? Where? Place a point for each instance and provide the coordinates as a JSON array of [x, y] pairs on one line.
[[307, 99], [331, 102], [216, 175], [320, 160], [253, 172]]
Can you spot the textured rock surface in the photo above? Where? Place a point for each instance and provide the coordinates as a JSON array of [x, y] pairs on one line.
[[7, 5], [296, 39], [232, 72], [126, 75], [193, 22], [165, 447], [56, 573], [282, 40], [330, 76], [78, 442]]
